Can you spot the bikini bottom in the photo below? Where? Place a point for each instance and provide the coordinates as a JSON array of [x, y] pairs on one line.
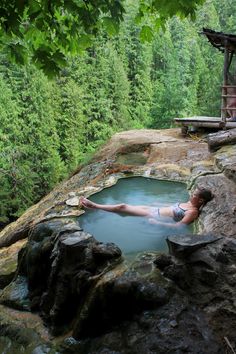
[[154, 212]]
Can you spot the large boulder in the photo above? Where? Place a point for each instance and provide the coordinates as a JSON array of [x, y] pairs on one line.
[[207, 276], [57, 269], [176, 303]]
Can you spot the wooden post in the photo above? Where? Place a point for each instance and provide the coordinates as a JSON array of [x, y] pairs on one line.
[[225, 83]]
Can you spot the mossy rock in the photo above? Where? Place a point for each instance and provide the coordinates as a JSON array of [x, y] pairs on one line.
[[8, 262]]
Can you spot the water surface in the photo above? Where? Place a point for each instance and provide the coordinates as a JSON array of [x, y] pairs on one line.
[[134, 234]]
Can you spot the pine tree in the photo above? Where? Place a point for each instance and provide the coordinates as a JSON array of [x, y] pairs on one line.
[[70, 121], [14, 168], [31, 164]]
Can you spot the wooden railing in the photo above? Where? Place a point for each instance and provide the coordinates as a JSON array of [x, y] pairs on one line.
[[228, 105]]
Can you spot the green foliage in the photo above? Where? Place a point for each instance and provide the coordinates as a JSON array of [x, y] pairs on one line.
[[132, 78], [29, 163], [48, 31], [68, 108]]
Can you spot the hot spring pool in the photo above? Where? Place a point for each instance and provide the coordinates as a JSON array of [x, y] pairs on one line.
[[134, 234]]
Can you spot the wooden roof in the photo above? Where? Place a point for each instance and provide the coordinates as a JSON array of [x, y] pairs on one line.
[[221, 40]]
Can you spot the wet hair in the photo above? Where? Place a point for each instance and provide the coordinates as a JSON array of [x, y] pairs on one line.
[[205, 194]]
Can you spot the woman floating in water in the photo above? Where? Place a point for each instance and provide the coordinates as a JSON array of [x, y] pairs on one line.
[[181, 213]]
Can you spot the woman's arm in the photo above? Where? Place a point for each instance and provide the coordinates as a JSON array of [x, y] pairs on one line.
[[164, 223], [189, 217]]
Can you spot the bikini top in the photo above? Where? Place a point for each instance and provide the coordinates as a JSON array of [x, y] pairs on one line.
[[178, 212]]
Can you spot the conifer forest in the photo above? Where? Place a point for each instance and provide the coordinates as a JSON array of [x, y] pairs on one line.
[[50, 125]]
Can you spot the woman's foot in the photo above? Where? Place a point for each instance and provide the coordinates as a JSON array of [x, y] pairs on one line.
[[87, 203]]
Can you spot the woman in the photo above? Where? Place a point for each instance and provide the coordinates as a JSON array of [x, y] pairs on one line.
[[181, 213]]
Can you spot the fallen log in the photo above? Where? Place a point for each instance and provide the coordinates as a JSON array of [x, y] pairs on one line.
[[223, 137]]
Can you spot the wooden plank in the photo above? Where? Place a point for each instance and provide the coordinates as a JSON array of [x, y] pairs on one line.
[[230, 108], [228, 96], [200, 123], [198, 119], [205, 122]]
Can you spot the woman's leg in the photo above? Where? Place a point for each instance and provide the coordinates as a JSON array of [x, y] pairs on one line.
[[138, 210]]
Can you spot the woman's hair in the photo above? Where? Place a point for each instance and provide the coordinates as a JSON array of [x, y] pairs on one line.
[[205, 194]]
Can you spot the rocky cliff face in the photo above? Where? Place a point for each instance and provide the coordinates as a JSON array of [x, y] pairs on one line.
[[169, 303]]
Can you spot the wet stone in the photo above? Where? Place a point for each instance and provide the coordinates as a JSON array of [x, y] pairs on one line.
[[106, 251], [222, 257], [52, 228], [73, 201], [15, 294], [163, 260], [76, 238], [181, 246], [208, 276]]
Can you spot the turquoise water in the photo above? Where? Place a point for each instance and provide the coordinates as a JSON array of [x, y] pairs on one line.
[[134, 234]]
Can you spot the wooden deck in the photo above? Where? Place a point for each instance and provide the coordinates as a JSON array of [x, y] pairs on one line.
[[203, 122]]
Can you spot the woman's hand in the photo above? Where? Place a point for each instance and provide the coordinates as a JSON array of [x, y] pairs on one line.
[[167, 224], [153, 221]]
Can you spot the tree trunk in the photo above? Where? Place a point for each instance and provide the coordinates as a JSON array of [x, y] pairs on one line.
[[224, 137]]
